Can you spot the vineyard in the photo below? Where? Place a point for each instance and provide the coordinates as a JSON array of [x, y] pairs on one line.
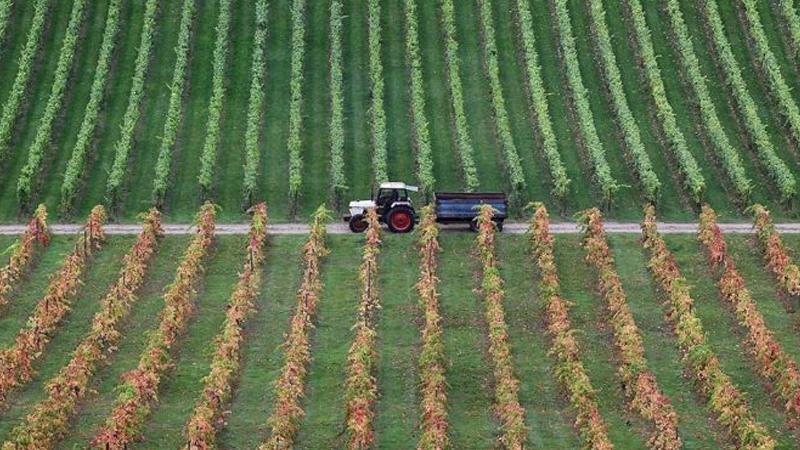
[[452, 340], [174, 272], [296, 103]]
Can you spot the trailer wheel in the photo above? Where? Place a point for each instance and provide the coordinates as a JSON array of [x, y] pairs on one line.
[[400, 220], [358, 223]]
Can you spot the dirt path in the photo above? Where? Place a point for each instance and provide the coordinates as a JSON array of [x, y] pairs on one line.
[[341, 228]]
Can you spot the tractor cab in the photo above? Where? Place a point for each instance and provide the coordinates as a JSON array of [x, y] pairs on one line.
[[393, 205]]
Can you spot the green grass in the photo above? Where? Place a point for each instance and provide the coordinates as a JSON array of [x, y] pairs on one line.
[[262, 355], [469, 377], [336, 313], [180, 391], [184, 196], [101, 272]]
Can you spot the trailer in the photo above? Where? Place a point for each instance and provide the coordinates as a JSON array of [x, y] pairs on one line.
[[394, 207], [462, 207]]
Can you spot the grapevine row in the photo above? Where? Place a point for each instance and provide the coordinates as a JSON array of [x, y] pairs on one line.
[[723, 398], [591, 141], [44, 129], [432, 359], [123, 146], [513, 431], [24, 251], [258, 68], [776, 255], [780, 173], [770, 66], [16, 361], [638, 381], [569, 369], [538, 98], [77, 161], [708, 113], [208, 159], [13, 101], [693, 180], [174, 110], [287, 411], [377, 112], [361, 388], [5, 12], [463, 140], [651, 185], [338, 181], [139, 389], [294, 141], [791, 21], [48, 421], [772, 362], [513, 163], [202, 426], [422, 137]]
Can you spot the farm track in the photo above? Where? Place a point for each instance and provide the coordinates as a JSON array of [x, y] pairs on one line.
[[341, 228]]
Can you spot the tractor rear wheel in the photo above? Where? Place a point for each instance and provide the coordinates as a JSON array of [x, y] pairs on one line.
[[400, 220], [358, 223]]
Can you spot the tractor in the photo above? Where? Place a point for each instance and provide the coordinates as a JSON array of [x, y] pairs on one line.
[[393, 204]]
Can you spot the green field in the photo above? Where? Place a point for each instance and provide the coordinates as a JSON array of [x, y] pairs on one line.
[[548, 414], [301, 103], [489, 130]]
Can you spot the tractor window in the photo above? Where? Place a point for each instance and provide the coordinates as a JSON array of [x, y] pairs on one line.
[[386, 197]]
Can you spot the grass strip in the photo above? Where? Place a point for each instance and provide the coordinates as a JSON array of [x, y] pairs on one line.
[[290, 386], [294, 140], [776, 254], [591, 141], [769, 66], [693, 179], [377, 111], [512, 160], [569, 370], [422, 137], [208, 159], [45, 426], [748, 110], [361, 386], [463, 140], [28, 177], [432, 359], [74, 172], [13, 101], [538, 98], [723, 398], [175, 108], [708, 113], [139, 389], [513, 432], [23, 252], [124, 144], [772, 362], [639, 383], [258, 72], [637, 155], [16, 361], [204, 423]]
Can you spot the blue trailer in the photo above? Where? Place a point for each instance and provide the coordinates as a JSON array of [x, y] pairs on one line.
[[462, 207], [393, 204]]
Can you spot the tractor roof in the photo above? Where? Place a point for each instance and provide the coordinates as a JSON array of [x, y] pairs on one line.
[[398, 185]]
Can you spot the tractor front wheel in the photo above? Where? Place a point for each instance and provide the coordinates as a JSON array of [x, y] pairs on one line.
[[400, 220], [358, 223]]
